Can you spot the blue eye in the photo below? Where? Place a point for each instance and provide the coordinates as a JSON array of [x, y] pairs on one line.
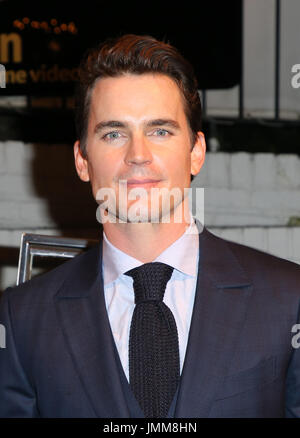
[[111, 135], [162, 132]]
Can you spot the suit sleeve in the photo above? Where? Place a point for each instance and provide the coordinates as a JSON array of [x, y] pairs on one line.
[[292, 388], [17, 397]]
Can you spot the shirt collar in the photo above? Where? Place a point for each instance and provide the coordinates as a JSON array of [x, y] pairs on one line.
[[181, 255]]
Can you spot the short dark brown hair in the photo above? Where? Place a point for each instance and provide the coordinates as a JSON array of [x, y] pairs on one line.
[[134, 54]]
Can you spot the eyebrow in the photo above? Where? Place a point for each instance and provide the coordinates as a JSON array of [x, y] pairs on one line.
[[150, 123]]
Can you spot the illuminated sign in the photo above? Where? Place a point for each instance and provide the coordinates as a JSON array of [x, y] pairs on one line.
[[41, 43], [39, 50]]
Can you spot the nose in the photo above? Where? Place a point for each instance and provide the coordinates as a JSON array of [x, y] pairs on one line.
[[138, 151]]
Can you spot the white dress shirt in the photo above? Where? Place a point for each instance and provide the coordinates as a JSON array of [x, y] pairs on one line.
[[183, 256]]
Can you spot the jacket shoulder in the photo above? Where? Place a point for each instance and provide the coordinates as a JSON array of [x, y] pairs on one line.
[[262, 266]]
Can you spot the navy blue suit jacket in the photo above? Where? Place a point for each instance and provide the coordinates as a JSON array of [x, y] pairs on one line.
[[60, 358]]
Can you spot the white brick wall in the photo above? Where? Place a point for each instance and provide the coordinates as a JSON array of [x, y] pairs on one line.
[[249, 198], [243, 189]]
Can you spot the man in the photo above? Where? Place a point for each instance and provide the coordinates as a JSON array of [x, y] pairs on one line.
[[83, 340]]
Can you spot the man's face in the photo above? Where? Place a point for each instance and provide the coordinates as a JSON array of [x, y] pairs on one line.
[[138, 136]]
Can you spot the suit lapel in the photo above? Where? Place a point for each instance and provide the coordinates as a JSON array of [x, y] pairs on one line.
[[222, 294], [82, 312]]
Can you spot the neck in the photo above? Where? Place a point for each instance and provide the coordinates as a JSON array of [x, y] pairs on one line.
[[145, 241]]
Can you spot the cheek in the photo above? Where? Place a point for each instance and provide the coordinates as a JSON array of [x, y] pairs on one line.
[[99, 163], [178, 165]]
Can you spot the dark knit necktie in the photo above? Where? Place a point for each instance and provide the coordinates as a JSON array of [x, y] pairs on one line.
[[153, 341]]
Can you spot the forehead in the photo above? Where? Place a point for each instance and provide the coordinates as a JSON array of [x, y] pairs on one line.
[[137, 96]]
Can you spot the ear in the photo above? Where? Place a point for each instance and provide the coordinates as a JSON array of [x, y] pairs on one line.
[[81, 163], [198, 154]]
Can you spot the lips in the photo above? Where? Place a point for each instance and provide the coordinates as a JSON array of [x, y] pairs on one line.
[[146, 182], [142, 181]]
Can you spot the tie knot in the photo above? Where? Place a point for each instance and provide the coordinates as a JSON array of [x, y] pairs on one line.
[[150, 281]]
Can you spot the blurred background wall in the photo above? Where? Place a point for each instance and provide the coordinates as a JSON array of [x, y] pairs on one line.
[[252, 171]]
